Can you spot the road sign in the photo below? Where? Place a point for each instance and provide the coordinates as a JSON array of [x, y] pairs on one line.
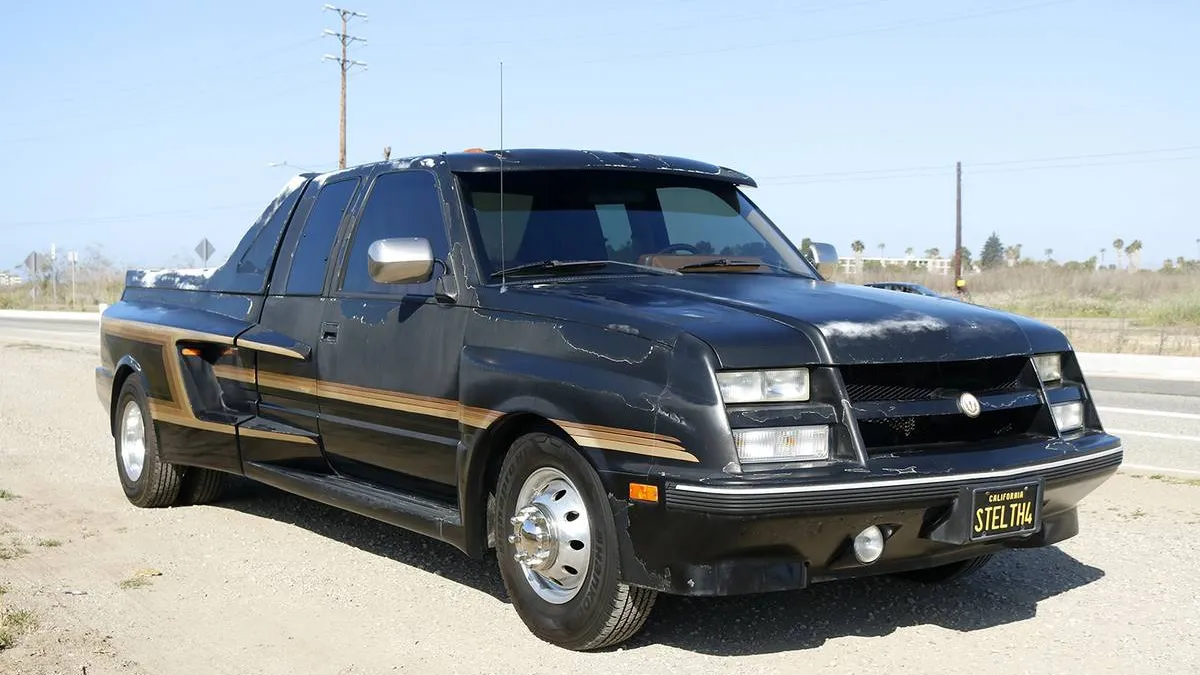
[[205, 250], [32, 262]]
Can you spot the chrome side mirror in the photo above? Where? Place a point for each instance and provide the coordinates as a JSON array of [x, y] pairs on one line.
[[824, 257], [407, 260]]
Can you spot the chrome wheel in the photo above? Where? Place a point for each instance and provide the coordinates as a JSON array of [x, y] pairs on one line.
[[551, 535], [133, 441]]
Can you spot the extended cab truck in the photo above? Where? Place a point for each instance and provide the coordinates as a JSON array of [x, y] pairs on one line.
[[611, 369]]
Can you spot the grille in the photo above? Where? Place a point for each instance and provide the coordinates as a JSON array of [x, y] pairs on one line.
[[898, 432], [928, 381]]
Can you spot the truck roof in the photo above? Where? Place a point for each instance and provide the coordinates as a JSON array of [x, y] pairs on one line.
[[544, 159]]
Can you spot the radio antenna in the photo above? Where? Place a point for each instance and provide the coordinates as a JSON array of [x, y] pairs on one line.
[[503, 257]]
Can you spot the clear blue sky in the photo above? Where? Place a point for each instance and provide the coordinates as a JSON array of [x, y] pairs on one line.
[[143, 126]]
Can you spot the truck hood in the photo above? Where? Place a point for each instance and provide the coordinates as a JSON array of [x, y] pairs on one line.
[[757, 321]]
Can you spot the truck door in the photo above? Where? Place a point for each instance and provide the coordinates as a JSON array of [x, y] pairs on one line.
[[292, 311], [388, 358]]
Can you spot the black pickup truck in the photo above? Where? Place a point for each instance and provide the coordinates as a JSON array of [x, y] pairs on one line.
[[612, 370]]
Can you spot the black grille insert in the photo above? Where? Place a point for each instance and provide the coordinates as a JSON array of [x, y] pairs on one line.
[[898, 432], [928, 381]]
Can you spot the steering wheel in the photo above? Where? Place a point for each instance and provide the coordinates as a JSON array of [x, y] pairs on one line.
[[679, 247]]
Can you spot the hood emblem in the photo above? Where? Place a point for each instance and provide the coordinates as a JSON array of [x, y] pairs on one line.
[[968, 404]]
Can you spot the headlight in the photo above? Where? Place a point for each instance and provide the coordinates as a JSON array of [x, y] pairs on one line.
[[782, 444], [1048, 366], [1068, 416], [764, 386]]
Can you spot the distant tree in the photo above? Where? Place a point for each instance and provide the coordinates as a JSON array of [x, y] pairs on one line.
[[806, 248], [993, 253], [1012, 254], [1168, 266], [964, 254], [1049, 254], [880, 246], [932, 252], [1133, 254], [706, 248], [908, 252], [858, 247], [1118, 246]]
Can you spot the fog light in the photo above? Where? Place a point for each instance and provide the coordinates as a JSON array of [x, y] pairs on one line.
[[1068, 416], [868, 545], [782, 444]]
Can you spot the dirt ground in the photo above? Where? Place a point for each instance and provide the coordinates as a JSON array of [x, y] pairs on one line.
[[268, 583]]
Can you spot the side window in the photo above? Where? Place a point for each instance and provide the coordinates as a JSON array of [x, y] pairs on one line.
[[618, 234], [247, 268], [400, 204], [316, 241]]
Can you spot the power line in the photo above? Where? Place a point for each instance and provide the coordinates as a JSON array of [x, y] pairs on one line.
[[927, 171], [129, 216], [639, 57], [708, 21], [345, 63]]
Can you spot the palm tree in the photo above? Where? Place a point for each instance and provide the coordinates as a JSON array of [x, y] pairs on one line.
[[1013, 254], [908, 252], [858, 247], [1118, 246], [1133, 254], [1049, 254], [880, 247], [932, 252]]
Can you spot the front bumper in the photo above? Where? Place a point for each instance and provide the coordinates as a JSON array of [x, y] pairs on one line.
[[743, 538]]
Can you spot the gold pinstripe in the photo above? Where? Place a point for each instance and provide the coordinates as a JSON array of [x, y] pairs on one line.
[[587, 435]]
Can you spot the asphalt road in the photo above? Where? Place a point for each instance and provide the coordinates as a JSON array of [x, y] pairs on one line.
[[51, 332], [267, 583]]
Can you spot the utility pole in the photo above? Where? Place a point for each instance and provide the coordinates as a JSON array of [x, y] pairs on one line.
[[957, 223], [346, 63]]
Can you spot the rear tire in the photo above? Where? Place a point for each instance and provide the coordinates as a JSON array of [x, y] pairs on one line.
[[547, 487], [943, 574], [147, 481], [201, 486]]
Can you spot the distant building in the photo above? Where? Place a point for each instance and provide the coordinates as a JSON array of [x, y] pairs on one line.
[[10, 279], [850, 265]]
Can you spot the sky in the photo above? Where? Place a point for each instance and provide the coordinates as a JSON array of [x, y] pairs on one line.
[[141, 127]]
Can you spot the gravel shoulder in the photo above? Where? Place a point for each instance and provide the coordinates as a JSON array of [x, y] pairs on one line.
[[268, 583]]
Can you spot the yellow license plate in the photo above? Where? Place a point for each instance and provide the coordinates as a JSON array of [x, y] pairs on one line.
[[1005, 511]]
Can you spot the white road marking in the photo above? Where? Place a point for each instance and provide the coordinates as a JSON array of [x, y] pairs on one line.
[[1159, 469], [1150, 413], [1153, 434]]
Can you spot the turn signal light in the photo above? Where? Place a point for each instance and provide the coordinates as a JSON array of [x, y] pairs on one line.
[[640, 492], [190, 351]]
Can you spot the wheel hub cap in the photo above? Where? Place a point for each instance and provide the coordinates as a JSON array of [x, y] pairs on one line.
[[551, 535], [133, 441], [536, 544]]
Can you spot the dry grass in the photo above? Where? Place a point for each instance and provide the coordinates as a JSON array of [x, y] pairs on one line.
[[13, 624], [12, 551], [5, 495], [1106, 311], [49, 543]]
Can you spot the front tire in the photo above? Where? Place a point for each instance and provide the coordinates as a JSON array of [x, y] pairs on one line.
[[556, 545], [147, 481], [943, 574], [201, 486]]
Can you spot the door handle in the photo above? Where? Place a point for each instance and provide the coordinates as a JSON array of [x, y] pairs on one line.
[[329, 332]]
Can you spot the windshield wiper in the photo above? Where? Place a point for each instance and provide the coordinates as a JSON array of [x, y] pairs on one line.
[[553, 266], [729, 262]]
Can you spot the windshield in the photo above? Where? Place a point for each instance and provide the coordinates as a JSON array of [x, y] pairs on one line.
[[659, 220]]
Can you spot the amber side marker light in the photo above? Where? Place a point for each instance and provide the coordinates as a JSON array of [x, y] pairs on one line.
[[190, 351], [643, 493]]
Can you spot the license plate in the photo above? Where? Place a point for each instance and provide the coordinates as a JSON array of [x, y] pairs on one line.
[[1005, 511]]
